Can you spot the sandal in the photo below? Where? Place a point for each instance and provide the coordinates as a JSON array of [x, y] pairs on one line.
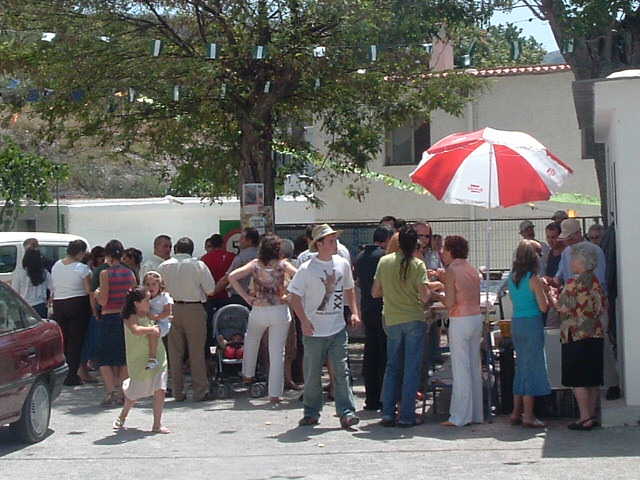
[[515, 421], [108, 400], [580, 425], [162, 430], [118, 423], [535, 424]]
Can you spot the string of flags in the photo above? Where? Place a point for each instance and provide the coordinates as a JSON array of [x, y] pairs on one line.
[[213, 51]]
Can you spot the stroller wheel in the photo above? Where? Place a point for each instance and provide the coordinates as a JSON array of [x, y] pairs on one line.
[[257, 390], [222, 391]]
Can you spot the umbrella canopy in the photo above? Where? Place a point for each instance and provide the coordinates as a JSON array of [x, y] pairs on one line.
[[490, 168]]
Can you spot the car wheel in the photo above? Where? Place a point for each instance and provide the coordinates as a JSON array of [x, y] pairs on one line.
[[36, 412]]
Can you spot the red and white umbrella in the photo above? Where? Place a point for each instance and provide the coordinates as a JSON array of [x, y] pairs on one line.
[[490, 168]]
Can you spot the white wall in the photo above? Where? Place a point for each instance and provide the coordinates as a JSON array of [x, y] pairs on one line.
[[541, 105], [136, 222], [617, 103]]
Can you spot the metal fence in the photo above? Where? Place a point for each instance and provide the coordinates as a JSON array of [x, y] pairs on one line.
[[504, 236]]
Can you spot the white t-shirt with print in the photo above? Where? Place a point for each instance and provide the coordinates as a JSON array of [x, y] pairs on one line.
[[321, 285], [156, 306]]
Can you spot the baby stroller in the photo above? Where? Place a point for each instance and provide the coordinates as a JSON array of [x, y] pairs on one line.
[[228, 322]]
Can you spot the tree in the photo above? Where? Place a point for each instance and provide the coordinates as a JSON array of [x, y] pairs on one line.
[[24, 177], [278, 65], [597, 38], [499, 46]]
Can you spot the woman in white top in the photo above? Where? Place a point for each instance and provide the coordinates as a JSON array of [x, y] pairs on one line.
[[71, 281], [32, 281]]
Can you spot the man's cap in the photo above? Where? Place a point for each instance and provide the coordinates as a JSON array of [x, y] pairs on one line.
[[525, 224], [569, 227], [559, 216], [318, 233]]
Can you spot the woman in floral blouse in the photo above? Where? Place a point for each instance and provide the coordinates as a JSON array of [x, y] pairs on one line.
[[581, 306]]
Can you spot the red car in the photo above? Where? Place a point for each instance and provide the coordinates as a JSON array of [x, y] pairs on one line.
[[32, 367]]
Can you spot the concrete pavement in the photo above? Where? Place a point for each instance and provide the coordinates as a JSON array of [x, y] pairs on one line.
[[243, 438]]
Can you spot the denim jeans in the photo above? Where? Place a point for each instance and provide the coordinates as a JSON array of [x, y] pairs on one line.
[[316, 349], [405, 345]]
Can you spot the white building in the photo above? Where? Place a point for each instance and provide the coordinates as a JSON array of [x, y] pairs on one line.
[[613, 104], [537, 100]]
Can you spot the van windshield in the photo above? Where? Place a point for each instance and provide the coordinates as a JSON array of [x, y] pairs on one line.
[[8, 258]]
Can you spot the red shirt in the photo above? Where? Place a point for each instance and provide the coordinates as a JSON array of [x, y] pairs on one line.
[[218, 261]]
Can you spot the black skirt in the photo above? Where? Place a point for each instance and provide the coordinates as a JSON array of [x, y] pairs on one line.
[[582, 363]]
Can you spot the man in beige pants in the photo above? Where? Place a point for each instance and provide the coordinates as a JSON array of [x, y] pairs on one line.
[[189, 281]]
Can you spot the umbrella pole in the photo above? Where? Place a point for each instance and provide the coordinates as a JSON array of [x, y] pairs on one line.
[[489, 379]]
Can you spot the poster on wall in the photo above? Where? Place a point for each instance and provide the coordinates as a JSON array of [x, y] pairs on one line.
[[257, 217], [252, 196]]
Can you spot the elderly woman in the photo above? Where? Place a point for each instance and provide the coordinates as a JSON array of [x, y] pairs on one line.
[[462, 299], [581, 306]]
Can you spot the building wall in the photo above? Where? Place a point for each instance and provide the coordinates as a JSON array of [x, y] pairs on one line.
[[136, 222], [617, 106], [541, 105]]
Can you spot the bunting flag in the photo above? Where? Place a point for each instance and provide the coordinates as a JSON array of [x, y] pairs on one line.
[[156, 48], [320, 52], [567, 46], [175, 93], [212, 51], [373, 53], [260, 52], [516, 49]]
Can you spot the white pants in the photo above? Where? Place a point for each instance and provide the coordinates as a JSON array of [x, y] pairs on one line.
[[276, 318], [465, 335]]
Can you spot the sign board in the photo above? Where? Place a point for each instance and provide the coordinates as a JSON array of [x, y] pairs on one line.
[[231, 231]]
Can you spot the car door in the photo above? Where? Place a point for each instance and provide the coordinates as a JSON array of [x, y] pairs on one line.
[[18, 356]]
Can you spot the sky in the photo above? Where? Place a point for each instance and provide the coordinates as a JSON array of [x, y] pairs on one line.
[[530, 25]]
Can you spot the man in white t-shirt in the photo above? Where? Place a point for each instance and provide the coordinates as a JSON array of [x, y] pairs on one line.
[[308, 253], [319, 291]]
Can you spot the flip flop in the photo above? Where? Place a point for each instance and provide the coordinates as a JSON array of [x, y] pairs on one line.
[[535, 424]]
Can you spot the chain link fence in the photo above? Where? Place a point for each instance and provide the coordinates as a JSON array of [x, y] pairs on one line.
[[503, 239]]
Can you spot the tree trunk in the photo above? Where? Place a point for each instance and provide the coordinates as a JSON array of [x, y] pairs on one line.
[[257, 164]]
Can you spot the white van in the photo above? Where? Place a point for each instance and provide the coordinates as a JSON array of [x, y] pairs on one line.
[[52, 245]]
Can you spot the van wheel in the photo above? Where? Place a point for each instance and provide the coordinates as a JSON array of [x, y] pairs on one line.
[[36, 413]]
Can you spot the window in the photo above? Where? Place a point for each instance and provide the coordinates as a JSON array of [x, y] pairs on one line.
[[405, 145], [10, 311], [53, 253], [8, 258]]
